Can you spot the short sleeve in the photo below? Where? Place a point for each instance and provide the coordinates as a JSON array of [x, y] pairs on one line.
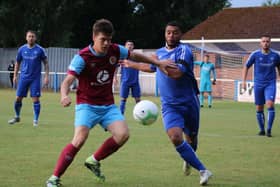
[[124, 53], [77, 65]]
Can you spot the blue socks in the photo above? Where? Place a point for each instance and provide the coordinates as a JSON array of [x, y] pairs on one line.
[[260, 119], [270, 118], [210, 100], [122, 106], [36, 108], [187, 153], [17, 107], [201, 99]]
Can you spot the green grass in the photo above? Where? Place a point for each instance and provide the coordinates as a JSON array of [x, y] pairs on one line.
[[228, 146]]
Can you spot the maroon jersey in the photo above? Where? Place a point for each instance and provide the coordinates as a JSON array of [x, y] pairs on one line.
[[95, 74]]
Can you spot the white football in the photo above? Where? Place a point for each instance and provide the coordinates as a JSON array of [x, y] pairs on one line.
[[145, 112]]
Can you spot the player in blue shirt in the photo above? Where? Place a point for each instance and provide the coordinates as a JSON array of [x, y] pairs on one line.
[[29, 59], [206, 67], [265, 61], [178, 94], [129, 81]]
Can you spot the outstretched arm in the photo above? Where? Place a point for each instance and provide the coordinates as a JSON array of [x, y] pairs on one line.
[[163, 64], [139, 66]]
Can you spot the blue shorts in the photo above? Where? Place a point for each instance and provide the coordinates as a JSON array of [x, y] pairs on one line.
[[185, 117], [33, 85], [135, 90], [264, 93], [205, 86], [90, 115]]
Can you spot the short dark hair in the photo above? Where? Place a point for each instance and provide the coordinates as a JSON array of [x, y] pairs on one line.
[[131, 41], [31, 31], [266, 36], [174, 23], [103, 25], [206, 54]]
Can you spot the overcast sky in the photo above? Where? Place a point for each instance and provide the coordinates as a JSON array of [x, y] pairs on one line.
[[246, 3]]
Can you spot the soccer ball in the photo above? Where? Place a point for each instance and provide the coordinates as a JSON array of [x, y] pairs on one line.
[[145, 112]]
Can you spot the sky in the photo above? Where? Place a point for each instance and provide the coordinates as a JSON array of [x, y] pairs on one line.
[[246, 3]]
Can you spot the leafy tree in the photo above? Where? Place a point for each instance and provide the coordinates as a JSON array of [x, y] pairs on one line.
[[271, 3], [68, 23]]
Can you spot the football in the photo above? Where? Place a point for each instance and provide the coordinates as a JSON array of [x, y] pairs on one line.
[[145, 112]]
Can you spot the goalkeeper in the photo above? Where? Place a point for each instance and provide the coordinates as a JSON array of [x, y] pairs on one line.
[[206, 67]]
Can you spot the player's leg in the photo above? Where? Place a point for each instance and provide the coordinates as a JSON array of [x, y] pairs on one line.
[[67, 155], [124, 91], [113, 121], [192, 118], [136, 92], [210, 98], [192, 140], [174, 124], [85, 119], [22, 90], [12, 80], [202, 88], [259, 102], [270, 93], [35, 93], [208, 89], [201, 98]]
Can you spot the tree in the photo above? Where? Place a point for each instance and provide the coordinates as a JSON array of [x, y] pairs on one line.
[[146, 25], [271, 3], [67, 23]]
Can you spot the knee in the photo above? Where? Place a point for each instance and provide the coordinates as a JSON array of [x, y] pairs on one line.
[[78, 142], [176, 139], [121, 137]]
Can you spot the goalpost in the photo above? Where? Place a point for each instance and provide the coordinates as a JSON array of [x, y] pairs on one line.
[[229, 56]]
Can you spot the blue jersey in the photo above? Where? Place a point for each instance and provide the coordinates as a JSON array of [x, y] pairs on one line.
[[30, 60], [184, 89], [205, 70], [129, 76], [264, 66]]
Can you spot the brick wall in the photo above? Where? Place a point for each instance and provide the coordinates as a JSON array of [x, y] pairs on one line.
[[226, 75]]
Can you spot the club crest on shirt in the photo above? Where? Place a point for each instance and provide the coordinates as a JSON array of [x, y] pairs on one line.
[[113, 60], [92, 65]]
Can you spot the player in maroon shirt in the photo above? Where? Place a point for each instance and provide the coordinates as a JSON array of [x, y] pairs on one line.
[[94, 68]]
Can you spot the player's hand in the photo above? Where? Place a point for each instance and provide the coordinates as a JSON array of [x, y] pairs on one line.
[[65, 101], [125, 63], [15, 80], [214, 82], [164, 65], [115, 81], [46, 81]]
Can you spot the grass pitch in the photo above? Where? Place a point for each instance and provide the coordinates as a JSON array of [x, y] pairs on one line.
[[228, 146]]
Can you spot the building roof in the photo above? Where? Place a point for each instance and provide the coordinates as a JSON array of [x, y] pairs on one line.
[[238, 23]]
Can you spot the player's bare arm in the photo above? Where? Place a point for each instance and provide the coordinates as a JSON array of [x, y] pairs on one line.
[[173, 72], [46, 66], [16, 70], [115, 79], [163, 64], [65, 99], [278, 69], [244, 73], [139, 66]]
